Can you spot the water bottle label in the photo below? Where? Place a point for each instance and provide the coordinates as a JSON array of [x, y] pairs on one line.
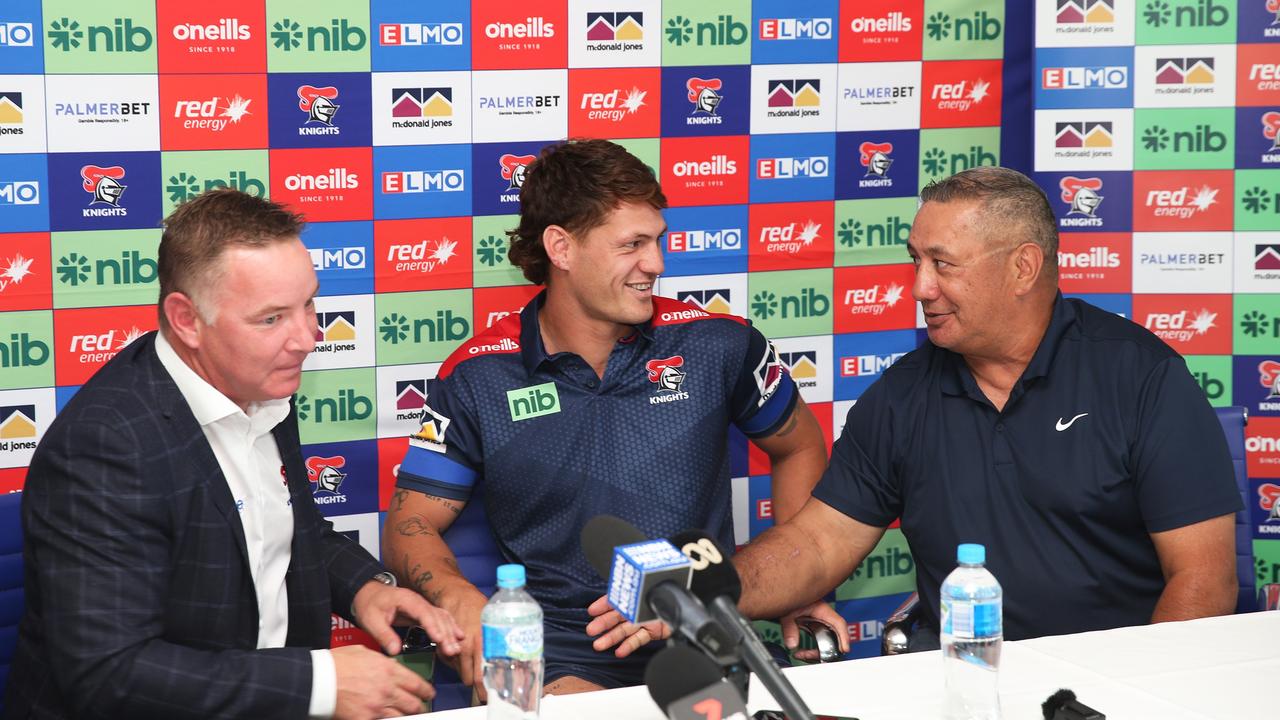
[[971, 620], [518, 642]]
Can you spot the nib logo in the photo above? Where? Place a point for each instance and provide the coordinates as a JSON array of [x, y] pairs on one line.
[[1257, 200], [1256, 324], [492, 250], [1201, 13], [15, 272], [445, 326], [130, 269], [1202, 138], [184, 186], [23, 350], [891, 233], [723, 31], [979, 26], [805, 304], [513, 168], [73, 269], [103, 183], [121, 36], [340, 36], [347, 406]]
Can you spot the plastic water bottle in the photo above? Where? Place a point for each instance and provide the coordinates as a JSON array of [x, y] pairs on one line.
[[972, 623], [511, 629]]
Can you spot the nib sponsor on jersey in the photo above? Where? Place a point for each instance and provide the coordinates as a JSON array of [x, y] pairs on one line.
[[613, 105], [960, 96], [873, 300], [212, 114], [1182, 203], [790, 238], [1180, 326]]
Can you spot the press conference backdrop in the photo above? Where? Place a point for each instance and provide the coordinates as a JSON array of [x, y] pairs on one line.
[[791, 137]]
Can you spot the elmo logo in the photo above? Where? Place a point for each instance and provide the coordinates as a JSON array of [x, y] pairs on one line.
[[514, 168], [666, 373]]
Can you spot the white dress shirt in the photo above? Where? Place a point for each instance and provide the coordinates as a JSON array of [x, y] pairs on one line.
[[250, 461]]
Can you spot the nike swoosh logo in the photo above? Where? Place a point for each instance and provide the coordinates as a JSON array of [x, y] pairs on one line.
[[1060, 426]]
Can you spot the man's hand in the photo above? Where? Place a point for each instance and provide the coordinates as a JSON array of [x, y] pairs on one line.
[[371, 685], [820, 611], [465, 606], [612, 629], [377, 607]]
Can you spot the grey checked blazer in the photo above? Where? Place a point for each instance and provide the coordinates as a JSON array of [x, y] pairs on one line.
[[140, 602]]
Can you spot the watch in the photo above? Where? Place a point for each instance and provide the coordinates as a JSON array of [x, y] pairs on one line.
[[385, 578]]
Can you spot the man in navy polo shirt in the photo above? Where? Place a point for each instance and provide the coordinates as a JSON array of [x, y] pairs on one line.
[[1071, 442], [599, 397]]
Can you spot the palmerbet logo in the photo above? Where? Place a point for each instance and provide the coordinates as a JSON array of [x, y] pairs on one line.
[[346, 406], [131, 268], [339, 36], [444, 326], [979, 26], [806, 303], [66, 34], [1257, 200], [893, 232], [1202, 13], [1203, 138], [183, 186], [724, 30]]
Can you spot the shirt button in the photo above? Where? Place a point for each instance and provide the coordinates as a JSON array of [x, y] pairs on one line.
[[999, 427], [592, 383]]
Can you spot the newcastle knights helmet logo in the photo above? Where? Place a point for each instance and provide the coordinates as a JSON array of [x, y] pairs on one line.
[[875, 158], [104, 183], [1082, 194], [1269, 377], [318, 103], [704, 94], [514, 168], [324, 472], [666, 372]]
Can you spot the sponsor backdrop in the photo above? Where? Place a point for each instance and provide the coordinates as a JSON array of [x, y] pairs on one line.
[[791, 138]]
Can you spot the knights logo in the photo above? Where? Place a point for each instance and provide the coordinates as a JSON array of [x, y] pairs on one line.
[[1082, 195], [704, 94], [325, 474], [875, 158], [317, 103], [666, 373], [1269, 378], [514, 168], [103, 183]]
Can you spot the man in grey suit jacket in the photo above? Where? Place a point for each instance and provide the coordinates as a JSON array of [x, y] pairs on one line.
[[176, 565]]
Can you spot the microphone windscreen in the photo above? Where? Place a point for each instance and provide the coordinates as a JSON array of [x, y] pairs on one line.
[[677, 671], [601, 535], [713, 572]]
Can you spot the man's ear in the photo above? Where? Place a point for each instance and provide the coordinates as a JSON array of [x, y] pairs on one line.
[[1028, 264], [559, 246], [184, 319]]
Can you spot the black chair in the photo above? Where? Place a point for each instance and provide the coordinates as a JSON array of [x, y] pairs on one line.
[[898, 629]]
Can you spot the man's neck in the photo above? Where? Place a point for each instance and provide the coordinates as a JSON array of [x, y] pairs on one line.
[[996, 372], [192, 360], [567, 328]]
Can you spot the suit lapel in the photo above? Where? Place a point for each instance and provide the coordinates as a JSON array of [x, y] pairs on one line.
[[306, 624]]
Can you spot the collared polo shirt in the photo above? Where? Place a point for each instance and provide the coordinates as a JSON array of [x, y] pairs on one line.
[[1105, 439], [557, 445]]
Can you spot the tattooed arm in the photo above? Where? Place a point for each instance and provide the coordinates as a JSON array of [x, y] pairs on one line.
[[412, 547], [798, 454]]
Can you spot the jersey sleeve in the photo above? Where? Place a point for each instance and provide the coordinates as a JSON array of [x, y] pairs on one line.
[[444, 455], [1182, 468], [860, 480], [764, 394]]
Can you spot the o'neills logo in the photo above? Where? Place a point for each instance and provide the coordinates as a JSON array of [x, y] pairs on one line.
[[336, 179], [717, 165], [104, 184], [532, 27], [1097, 256], [1082, 195], [317, 103], [893, 22], [503, 345], [224, 29]]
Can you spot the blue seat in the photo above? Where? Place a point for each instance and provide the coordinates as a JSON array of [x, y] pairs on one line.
[[10, 581], [472, 543], [1233, 421]]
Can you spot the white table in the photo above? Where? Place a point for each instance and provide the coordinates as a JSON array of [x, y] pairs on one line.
[[1215, 669]]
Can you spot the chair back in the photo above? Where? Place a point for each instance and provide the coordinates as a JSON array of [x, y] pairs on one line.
[[11, 603], [1233, 421]]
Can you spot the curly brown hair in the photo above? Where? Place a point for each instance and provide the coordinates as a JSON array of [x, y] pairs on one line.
[[575, 185]]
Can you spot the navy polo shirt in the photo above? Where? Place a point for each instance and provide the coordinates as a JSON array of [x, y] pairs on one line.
[[1105, 439], [557, 445]]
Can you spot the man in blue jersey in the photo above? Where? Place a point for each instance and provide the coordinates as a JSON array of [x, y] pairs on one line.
[[599, 397]]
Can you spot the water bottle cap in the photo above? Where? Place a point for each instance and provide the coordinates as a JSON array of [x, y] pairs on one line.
[[510, 576], [971, 554]]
